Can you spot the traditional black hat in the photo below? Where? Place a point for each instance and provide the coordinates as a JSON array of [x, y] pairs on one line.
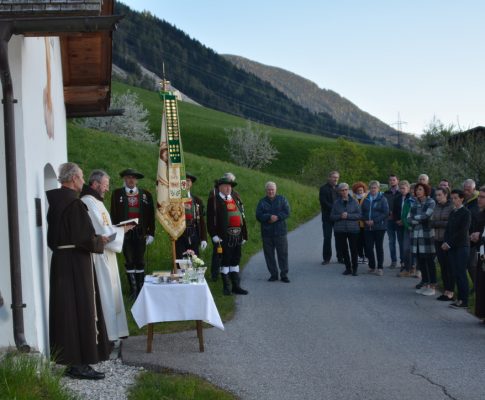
[[226, 180], [193, 178], [131, 172]]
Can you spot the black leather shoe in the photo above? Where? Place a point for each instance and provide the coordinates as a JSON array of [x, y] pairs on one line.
[[83, 372], [285, 279], [273, 279], [325, 262], [346, 272]]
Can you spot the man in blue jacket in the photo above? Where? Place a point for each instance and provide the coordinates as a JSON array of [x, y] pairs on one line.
[[272, 212]]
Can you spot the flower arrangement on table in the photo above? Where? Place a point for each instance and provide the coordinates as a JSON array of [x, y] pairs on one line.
[[196, 261]]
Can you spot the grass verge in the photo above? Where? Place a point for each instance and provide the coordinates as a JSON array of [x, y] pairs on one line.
[[151, 385], [27, 376]]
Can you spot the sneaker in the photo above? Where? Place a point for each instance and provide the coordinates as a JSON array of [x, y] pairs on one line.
[[404, 274], [272, 279], [393, 265], [420, 290], [380, 272], [371, 271], [458, 304], [428, 292], [346, 272], [325, 262], [285, 279]]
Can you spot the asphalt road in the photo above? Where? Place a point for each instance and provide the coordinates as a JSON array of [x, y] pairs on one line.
[[329, 336]]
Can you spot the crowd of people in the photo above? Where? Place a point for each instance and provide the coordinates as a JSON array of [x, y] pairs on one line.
[[425, 226], [87, 313]]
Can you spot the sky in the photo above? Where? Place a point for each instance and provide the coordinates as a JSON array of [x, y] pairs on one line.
[[399, 60]]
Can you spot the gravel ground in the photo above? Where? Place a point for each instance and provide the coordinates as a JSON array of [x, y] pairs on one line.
[[119, 377]]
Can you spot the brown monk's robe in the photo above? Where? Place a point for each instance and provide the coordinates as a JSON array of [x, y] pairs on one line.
[[77, 330]]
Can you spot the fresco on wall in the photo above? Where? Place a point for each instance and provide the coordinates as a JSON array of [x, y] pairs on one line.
[[48, 114]]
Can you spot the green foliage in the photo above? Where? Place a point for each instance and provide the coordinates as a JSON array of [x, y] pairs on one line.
[[150, 385], [27, 376], [348, 159], [92, 149], [210, 79], [452, 155], [203, 132]]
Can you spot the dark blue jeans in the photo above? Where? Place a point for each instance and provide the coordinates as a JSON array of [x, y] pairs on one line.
[[458, 258], [404, 241], [280, 245], [327, 227], [392, 233], [375, 239]]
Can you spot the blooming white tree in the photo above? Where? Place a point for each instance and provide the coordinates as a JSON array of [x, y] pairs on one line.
[[132, 124], [250, 146]]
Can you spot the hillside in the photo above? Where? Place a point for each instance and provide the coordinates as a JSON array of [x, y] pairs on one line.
[[309, 95], [143, 40], [203, 134]]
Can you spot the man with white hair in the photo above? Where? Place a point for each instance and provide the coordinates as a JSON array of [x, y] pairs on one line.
[[106, 264], [76, 325], [272, 212]]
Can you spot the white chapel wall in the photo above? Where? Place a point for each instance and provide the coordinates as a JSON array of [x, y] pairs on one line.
[[41, 146]]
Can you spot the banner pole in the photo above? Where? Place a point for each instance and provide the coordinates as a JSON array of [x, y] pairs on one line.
[[174, 256]]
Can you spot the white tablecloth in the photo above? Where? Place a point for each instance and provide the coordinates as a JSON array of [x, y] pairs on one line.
[[175, 302]]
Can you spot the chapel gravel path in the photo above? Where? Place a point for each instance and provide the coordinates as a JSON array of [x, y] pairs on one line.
[[329, 336]]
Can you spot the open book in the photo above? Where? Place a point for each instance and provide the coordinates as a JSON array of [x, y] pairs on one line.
[[133, 221]]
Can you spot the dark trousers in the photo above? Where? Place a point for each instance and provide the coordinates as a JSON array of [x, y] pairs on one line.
[[480, 290], [344, 242], [458, 260], [185, 243], [327, 227], [391, 233], [375, 239], [427, 267], [446, 271], [472, 262], [215, 262], [404, 240], [231, 255], [361, 243], [134, 246], [278, 244]]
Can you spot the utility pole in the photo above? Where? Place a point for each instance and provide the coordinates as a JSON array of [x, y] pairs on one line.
[[399, 125]]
